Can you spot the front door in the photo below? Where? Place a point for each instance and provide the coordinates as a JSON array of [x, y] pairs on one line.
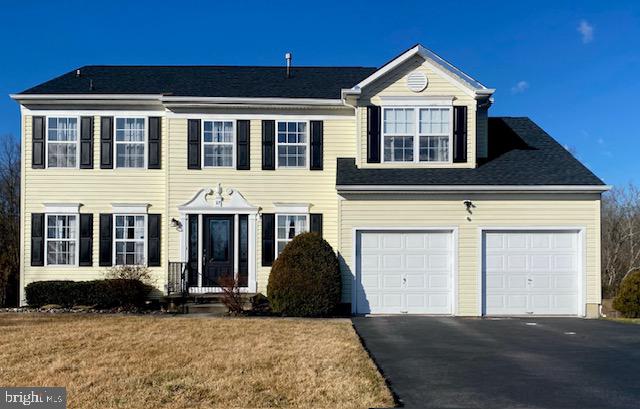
[[217, 250]]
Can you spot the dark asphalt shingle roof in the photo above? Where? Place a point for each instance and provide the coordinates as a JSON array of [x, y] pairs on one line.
[[207, 81], [520, 153]]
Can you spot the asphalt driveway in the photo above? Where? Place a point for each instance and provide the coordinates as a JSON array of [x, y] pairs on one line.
[[435, 362]]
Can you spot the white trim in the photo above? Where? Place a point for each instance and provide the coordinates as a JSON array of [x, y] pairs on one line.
[[145, 142], [116, 240], [282, 117], [20, 97], [582, 254], [287, 240], [47, 239], [48, 142], [246, 100], [130, 208], [414, 101], [297, 208], [92, 112], [307, 143], [58, 208], [454, 254], [416, 135], [474, 188], [232, 143]]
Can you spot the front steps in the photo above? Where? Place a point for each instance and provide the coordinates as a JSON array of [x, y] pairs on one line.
[[210, 303]]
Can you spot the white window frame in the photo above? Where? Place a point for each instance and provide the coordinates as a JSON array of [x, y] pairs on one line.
[[47, 239], [307, 143], [116, 142], [417, 134], [77, 142], [116, 240], [277, 239], [232, 143]]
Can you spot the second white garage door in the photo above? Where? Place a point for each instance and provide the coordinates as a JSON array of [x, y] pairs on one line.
[[531, 272], [404, 272]]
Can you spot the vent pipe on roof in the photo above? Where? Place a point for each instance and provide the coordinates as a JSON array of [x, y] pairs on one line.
[[77, 72], [287, 56]]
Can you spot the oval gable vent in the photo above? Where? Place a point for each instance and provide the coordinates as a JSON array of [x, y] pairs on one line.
[[417, 81]]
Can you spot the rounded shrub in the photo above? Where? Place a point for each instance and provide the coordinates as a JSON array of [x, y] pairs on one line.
[[305, 278], [627, 302]]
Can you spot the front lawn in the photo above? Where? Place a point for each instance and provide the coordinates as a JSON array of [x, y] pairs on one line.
[[190, 362]]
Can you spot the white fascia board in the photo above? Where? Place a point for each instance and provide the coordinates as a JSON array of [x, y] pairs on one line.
[[301, 208], [254, 101], [417, 101], [475, 188]]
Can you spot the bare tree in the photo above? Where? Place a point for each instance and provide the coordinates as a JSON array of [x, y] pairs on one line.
[[620, 236], [9, 219]]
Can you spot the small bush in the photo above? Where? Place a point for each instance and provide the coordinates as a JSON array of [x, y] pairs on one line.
[[305, 279], [231, 296], [627, 302], [111, 293], [260, 304], [135, 272]]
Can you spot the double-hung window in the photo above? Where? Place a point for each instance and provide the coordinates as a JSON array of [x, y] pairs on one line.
[[130, 142], [292, 143], [417, 134], [218, 144], [289, 226], [62, 236], [130, 239], [62, 142]]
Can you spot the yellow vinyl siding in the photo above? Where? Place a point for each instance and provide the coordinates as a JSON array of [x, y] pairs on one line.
[[507, 210], [394, 85], [95, 189], [262, 188]]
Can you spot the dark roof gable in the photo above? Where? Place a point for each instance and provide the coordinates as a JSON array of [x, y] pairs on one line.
[[520, 153], [207, 81]]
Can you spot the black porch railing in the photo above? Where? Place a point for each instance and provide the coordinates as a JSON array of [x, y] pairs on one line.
[[177, 279]]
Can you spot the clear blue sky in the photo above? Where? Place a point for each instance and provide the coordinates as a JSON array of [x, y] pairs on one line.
[[573, 67]]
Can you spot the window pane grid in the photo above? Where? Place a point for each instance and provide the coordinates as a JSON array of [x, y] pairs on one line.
[[129, 240], [130, 142], [218, 143], [61, 239], [434, 131], [289, 226], [292, 144], [62, 139]]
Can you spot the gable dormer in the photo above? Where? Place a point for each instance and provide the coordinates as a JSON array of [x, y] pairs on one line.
[[418, 110]]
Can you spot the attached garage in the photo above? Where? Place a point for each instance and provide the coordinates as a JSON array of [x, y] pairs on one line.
[[402, 271], [532, 272]]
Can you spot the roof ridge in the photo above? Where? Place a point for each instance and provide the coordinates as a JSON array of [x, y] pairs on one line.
[[221, 66]]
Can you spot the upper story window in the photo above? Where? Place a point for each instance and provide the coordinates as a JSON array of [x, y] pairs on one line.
[[62, 233], [218, 144], [130, 239], [292, 143], [62, 142], [288, 227], [417, 134], [130, 142]]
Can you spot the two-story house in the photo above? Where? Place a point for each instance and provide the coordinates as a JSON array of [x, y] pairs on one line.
[[431, 205]]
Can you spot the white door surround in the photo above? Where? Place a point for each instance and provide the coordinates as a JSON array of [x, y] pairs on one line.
[[233, 203], [410, 270], [527, 271]]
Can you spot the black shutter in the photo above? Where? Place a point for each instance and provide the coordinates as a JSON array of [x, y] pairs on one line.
[[86, 142], [106, 240], [243, 251], [38, 142], [268, 239], [315, 223], [317, 130], [373, 134], [106, 142], [153, 242], [37, 239], [242, 145], [268, 145], [86, 240], [193, 144], [155, 142], [459, 134], [193, 257]]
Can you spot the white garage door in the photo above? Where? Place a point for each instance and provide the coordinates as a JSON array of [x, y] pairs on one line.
[[404, 272], [531, 273]]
